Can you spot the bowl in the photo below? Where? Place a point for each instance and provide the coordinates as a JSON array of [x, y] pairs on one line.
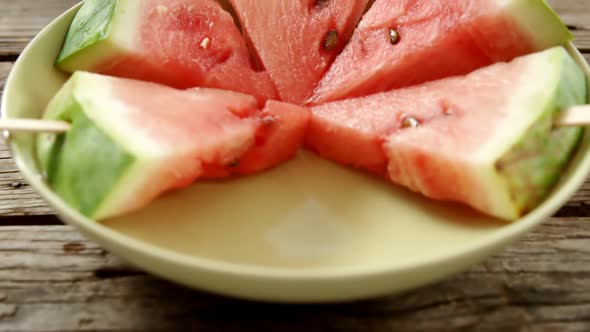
[[307, 231]]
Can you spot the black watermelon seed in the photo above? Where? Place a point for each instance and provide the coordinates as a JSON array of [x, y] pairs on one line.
[[331, 40], [393, 36], [410, 122]]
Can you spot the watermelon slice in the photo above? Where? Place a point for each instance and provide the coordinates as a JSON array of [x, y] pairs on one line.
[[282, 132], [132, 141], [297, 40], [404, 42], [486, 139], [180, 43]]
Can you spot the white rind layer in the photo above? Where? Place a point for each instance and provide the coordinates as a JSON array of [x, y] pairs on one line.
[[535, 97], [95, 93], [151, 156], [543, 25]]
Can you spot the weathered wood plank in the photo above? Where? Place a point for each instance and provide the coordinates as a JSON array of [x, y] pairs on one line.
[[575, 13], [52, 279], [22, 19]]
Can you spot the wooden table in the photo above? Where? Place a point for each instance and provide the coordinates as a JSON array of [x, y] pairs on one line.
[[52, 279]]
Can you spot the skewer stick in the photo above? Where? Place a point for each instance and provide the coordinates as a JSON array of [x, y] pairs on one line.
[[34, 125], [573, 116]]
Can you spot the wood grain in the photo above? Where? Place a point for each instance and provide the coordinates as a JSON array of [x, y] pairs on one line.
[[50, 272], [575, 13], [17, 198], [21, 20]]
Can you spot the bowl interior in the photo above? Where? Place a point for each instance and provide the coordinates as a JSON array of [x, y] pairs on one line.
[[304, 218]]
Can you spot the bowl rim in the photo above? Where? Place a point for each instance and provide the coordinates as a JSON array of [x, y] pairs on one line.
[[110, 238]]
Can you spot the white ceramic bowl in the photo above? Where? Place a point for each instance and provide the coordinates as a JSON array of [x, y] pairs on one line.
[[308, 231]]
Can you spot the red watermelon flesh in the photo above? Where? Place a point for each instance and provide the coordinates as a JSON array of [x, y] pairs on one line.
[[221, 124], [180, 43], [297, 40], [486, 139], [280, 134], [275, 130], [433, 40], [131, 141], [352, 132], [279, 138]]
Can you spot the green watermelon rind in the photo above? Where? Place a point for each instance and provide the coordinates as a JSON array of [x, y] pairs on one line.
[[101, 164], [90, 25], [113, 34], [545, 27], [85, 164], [527, 170]]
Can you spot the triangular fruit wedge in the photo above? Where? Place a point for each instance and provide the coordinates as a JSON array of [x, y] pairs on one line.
[[180, 43], [399, 43], [486, 139], [297, 40], [131, 141]]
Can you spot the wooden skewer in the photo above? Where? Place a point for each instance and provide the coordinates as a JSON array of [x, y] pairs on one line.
[[573, 116], [34, 125]]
